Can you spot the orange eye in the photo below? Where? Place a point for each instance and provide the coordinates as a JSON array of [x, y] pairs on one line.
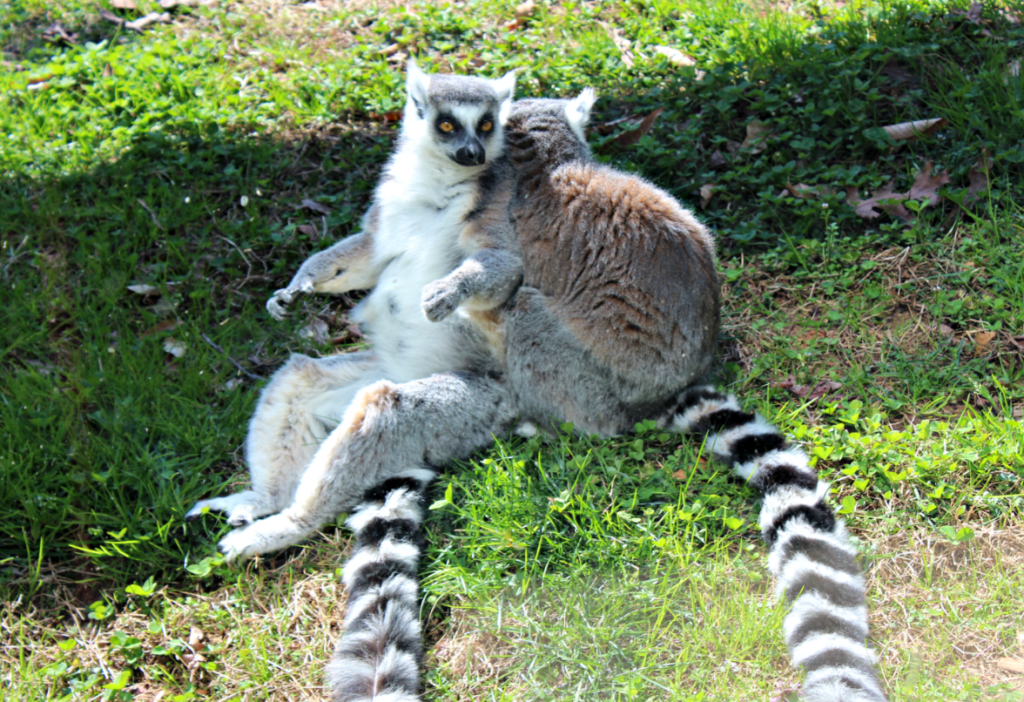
[[486, 127], [446, 127]]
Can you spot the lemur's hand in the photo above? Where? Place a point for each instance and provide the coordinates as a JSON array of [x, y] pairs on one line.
[[278, 302], [440, 299], [317, 269]]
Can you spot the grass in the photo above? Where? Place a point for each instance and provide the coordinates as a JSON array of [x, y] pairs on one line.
[[627, 569]]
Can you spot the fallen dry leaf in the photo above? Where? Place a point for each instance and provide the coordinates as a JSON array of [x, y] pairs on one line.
[[144, 290], [165, 325], [973, 13], [909, 131], [819, 390], [632, 136], [926, 185], [884, 200], [39, 83], [196, 637], [804, 191], [717, 159], [315, 206], [393, 116], [681, 475], [896, 73], [174, 347], [706, 193], [162, 307], [171, 4], [621, 43], [351, 334], [57, 33], [135, 25], [983, 342], [316, 330], [978, 178], [675, 56], [1012, 70], [823, 388], [757, 135], [309, 230], [1014, 665], [525, 10]]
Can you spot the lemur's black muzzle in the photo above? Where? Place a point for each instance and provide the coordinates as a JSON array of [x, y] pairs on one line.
[[470, 154]]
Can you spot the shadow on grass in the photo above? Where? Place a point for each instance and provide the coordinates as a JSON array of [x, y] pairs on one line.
[[117, 414]]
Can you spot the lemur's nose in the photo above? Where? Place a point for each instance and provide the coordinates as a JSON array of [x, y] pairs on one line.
[[472, 154]]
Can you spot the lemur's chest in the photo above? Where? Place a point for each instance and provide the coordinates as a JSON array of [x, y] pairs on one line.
[[419, 239], [424, 222]]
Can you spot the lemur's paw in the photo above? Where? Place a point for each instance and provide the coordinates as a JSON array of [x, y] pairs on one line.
[[239, 544], [262, 536], [440, 299], [277, 304], [216, 504], [197, 511], [242, 515]]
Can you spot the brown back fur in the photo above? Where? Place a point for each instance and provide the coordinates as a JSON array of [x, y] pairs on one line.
[[628, 271]]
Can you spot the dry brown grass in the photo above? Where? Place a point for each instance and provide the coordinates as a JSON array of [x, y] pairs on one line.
[[267, 636], [956, 605]]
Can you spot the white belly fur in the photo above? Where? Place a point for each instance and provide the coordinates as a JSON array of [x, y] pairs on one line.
[[421, 243]]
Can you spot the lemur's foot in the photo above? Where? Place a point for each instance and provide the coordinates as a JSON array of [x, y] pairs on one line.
[[263, 536], [440, 299], [240, 509]]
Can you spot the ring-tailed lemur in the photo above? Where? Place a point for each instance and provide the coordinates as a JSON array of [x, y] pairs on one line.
[[448, 160], [617, 314], [617, 311]]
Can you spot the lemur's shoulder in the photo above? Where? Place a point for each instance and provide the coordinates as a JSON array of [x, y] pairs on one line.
[[627, 208], [488, 223]]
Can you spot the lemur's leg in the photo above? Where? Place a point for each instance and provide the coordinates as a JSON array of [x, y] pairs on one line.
[[300, 406], [389, 430], [810, 552]]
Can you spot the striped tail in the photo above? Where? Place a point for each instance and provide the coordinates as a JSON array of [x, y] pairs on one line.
[[380, 652], [810, 553]]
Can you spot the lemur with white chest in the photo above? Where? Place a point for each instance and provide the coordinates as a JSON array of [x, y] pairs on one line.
[[572, 292]]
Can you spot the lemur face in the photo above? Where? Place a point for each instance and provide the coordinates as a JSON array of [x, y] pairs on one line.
[[459, 117], [464, 132]]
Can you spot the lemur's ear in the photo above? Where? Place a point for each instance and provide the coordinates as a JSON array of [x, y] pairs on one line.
[[577, 110], [506, 89], [416, 84]]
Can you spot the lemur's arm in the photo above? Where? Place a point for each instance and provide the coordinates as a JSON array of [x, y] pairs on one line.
[[348, 265], [484, 281], [489, 277]]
